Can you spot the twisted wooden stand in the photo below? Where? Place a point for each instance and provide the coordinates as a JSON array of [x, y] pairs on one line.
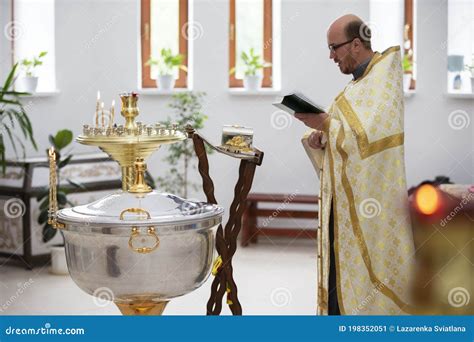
[[226, 239]]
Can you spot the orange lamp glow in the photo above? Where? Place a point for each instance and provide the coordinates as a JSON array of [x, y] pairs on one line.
[[427, 199]]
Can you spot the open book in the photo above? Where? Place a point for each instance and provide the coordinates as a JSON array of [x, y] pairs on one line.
[[298, 103]]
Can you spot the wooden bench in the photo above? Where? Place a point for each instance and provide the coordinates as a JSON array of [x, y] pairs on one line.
[[250, 229]]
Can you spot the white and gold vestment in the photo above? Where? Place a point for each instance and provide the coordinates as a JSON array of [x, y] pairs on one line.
[[362, 172]]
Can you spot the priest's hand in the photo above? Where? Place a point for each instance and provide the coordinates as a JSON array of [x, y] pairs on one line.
[[315, 140], [312, 120]]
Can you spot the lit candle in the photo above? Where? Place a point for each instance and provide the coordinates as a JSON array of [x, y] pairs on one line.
[[102, 112], [97, 107], [112, 114]]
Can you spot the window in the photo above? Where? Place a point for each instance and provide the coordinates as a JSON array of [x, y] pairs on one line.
[[33, 32], [398, 28], [164, 24], [460, 46], [250, 27], [408, 40]]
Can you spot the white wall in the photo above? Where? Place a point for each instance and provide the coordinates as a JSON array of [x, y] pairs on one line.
[[96, 48]]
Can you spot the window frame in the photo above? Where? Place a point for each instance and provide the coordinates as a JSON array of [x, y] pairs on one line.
[[408, 29], [267, 81], [145, 29]]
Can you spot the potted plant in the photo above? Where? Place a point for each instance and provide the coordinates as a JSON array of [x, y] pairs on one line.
[[407, 72], [30, 82], [58, 254], [253, 63], [12, 115], [188, 109], [166, 64]]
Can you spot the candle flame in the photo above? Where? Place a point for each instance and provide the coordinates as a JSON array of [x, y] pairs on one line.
[[98, 95], [427, 199]]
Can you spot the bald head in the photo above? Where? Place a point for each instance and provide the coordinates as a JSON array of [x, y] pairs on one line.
[[349, 42], [349, 27], [341, 22]]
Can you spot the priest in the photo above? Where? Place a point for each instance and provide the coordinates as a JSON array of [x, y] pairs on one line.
[[365, 241]]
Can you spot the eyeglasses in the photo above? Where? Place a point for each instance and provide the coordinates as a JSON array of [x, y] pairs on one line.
[[334, 47]]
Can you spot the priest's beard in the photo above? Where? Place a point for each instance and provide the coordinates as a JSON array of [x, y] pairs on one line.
[[348, 64]]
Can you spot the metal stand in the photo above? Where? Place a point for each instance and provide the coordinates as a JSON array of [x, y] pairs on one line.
[[226, 239]]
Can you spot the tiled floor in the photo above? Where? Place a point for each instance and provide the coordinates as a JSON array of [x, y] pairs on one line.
[[273, 278]]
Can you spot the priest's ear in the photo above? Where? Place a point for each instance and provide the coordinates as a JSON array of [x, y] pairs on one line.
[[357, 45]]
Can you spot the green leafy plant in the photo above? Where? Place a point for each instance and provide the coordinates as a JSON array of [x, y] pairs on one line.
[[12, 115], [167, 62], [252, 63], [61, 140], [30, 64], [407, 64], [188, 110]]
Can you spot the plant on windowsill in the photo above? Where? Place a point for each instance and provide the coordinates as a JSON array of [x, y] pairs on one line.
[[13, 115], [166, 64], [29, 82], [58, 255], [407, 66], [253, 63], [181, 157]]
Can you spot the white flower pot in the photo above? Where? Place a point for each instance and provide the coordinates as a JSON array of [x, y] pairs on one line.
[[253, 82], [165, 82], [28, 84], [406, 82], [58, 261]]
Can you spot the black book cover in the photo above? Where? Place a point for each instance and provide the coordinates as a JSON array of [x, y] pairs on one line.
[[298, 103]]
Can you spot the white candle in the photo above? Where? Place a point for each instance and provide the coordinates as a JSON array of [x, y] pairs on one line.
[[102, 112], [97, 107], [112, 114]]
